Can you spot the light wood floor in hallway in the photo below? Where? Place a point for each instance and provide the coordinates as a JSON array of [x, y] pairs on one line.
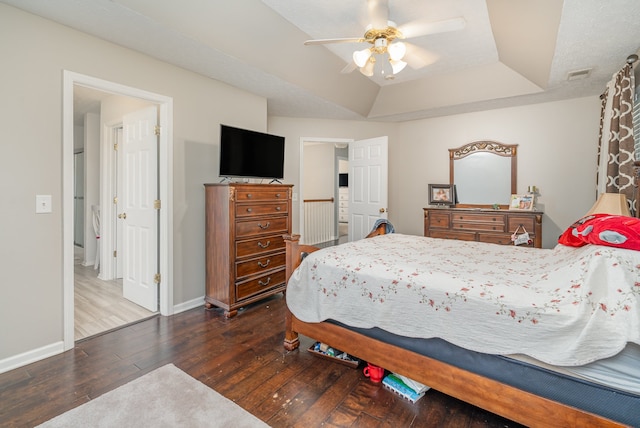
[[99, 305]]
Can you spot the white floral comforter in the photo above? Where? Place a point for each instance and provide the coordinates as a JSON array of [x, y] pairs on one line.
[[565, 306]]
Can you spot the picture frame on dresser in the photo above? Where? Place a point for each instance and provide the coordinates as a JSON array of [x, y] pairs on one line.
[[441, 194], [522, 202]]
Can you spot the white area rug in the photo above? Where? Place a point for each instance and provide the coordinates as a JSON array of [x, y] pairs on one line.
[[166, 397]]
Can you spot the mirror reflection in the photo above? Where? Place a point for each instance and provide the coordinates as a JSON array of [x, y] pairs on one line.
[[484, 173]]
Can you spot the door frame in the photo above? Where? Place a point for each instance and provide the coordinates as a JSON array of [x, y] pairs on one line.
[[165, 171], [301, 176]]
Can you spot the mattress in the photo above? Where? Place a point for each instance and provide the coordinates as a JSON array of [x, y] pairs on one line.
[[621, 372], [581, 390]]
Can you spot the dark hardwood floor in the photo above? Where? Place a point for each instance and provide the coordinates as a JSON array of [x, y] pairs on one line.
[[243, 359]]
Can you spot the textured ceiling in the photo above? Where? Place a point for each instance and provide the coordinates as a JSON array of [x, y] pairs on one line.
[[510, 52]]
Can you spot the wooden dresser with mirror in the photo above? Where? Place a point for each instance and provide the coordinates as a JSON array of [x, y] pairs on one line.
[[484, 174]]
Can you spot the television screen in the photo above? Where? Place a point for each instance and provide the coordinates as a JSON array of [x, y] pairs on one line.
[[245, 153], [343, 180]]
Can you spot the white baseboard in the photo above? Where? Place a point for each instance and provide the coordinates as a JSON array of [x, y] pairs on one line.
[[34, 355], [31, 356], [185, 306]]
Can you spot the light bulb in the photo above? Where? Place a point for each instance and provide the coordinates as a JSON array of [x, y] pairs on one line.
[[397, 51], [397, 66], [367, 70], [361, 57]]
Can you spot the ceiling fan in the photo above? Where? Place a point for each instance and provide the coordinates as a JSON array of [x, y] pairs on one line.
[[381, 34]]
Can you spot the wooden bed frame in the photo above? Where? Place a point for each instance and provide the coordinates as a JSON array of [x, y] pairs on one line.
[[512, 403]]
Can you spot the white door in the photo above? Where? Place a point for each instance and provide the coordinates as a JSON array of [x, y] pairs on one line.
[[368, 174], [138, 217], [118, 180]]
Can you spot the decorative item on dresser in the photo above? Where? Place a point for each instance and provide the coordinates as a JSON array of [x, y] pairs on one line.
[[245, 250], [484, 225]]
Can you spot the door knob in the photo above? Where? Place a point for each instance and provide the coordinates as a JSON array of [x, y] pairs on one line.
[[122, 216], [382, 210]]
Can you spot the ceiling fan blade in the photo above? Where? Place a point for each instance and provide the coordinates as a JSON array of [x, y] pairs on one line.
[[343, 40], [349, 68], [418, 57], [379, 13], [424, 28]]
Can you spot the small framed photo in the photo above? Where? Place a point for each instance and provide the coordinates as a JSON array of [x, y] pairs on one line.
[[441, 194], [521, 202]]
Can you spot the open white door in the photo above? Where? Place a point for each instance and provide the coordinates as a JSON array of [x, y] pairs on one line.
[[368, 175], [139, 216]]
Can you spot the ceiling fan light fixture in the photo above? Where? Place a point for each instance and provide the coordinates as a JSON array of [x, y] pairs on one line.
[[361, 57], [397, 51], [397, 66]]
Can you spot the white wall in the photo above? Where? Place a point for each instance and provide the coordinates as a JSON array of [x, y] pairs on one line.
[[35, 52], [557, 144], [319, 166]]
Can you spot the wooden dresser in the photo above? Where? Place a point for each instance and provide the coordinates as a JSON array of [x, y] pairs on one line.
[[244, 247], [485, 225]]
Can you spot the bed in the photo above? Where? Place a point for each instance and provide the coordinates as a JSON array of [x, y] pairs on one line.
[[532, 385]]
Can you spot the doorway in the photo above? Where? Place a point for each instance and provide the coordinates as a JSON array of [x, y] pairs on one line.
[[164, 106], [100, 301], [319, 180]]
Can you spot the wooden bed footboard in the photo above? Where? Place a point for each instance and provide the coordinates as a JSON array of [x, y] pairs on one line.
[[493, 396]]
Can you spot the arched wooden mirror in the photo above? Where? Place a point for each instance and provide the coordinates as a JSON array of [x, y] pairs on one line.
[[484, 174]]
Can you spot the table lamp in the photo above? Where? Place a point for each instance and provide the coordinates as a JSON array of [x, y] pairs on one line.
[[610, 203]]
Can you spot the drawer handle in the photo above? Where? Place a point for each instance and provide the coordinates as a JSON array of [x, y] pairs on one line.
[[263, 283], [249, 210], [264, 265], [249, 196], [277, 195], [278, 208], [261, 245], [266, 226]]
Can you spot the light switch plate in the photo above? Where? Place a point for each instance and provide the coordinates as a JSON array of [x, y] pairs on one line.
[[43, 204]]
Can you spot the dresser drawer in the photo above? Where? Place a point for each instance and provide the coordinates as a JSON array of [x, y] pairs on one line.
[[494, 238], [266, 208], [453, 234], [249, 194], [260, 285], [265, 244], [439, 220], [488, 227], [526, 222], [259, 265], [262, 226], [478, 218], [478, 221]]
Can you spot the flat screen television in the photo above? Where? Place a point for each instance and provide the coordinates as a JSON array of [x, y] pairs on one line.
[[343, 180], [251, 154]]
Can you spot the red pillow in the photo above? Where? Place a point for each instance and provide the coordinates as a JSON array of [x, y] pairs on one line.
[[603, 229]]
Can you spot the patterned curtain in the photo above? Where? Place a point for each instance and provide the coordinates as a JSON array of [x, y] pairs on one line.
[[616, 146]]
